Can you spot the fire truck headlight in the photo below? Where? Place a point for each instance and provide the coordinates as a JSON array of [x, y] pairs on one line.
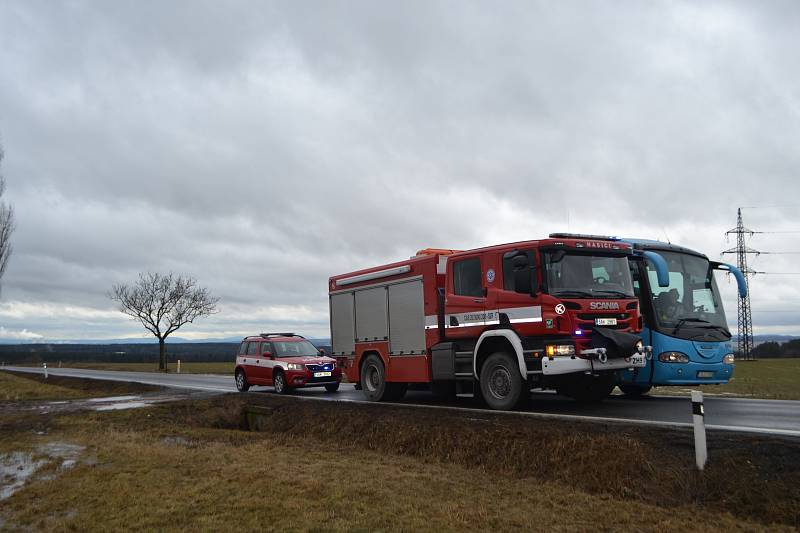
[[728, 359], [296, 366], [673, 357], [553, 350]]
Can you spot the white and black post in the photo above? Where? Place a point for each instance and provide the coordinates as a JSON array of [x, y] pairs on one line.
[[698, 414], [44, 365]]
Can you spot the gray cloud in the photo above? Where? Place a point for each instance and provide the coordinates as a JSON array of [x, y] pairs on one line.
[[264, 147]]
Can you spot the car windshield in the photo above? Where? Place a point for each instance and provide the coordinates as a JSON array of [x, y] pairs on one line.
[[294, 349], [577, 275], [691, 302]]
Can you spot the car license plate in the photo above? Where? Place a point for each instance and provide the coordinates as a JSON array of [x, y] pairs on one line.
[[605, 321], [322, 374], [705, 374]]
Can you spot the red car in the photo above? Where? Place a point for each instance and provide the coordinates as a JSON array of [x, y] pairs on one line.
[[285, 361]]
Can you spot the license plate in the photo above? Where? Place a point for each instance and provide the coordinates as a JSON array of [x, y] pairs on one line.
[[638, 360], [322, 374], [605, 321], [705, 374]]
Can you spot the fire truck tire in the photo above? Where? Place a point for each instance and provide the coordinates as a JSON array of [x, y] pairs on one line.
[[501, 383], [241, 381], [373, 379], [591, 389], [332, 387], [634, 391], [279, 382]]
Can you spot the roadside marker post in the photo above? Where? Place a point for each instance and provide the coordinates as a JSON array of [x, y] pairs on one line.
[[44, 365], [698, 414], [179, 366]]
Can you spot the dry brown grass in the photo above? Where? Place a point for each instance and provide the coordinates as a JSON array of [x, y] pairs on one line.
[[322, 466], [21, 386]]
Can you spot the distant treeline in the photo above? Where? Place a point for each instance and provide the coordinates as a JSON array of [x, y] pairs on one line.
[[774, 349], [119, 353]]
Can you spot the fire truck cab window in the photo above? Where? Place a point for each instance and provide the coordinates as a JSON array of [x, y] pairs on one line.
[[508, 268], [467, 277]]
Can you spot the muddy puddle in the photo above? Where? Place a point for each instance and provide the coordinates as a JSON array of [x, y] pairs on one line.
[[17, 468], [110, 403]]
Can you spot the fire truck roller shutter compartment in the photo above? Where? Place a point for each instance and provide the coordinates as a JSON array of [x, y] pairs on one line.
[[406, 318], [372, 324], [343, 327]]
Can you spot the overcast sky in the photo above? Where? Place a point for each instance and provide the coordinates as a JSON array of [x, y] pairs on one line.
[[262, 147]]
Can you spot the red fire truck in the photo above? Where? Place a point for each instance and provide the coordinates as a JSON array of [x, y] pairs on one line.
[[498, 321]]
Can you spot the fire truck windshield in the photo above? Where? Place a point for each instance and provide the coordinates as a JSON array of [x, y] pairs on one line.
[[690, 307], [294, 349], [581, 275]]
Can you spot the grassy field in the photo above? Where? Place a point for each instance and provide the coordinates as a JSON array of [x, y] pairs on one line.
[[34, 387], [191, 466], [186, 368], [777, 379]]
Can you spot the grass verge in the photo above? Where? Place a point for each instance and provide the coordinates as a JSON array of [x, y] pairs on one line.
[[17, 387], [186, 368], [324, 466]]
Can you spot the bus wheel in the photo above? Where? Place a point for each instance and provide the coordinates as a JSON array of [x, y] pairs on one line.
[[501, 383], [373, 379], [634, 391]]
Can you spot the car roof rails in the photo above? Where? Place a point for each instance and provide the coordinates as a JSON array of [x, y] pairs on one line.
[[280, 335]]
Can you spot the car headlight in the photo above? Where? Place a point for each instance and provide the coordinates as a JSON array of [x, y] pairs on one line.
[[639, 346], [559, 349], [296, 366], [728, 359], [673, 357]]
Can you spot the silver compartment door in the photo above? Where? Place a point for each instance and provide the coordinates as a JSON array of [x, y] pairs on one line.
[[343, 331], [372, 324], [406, 318]]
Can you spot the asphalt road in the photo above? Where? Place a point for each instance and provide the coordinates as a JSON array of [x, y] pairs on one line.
[[777, 417]]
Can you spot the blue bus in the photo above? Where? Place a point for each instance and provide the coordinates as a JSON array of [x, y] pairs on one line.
[[684, 320]]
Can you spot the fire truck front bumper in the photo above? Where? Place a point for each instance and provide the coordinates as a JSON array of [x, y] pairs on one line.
[[554, 366]]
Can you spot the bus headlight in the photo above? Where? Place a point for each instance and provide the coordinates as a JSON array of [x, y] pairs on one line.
[[673, 357], [728, 359], [639, 346], [553, 350]]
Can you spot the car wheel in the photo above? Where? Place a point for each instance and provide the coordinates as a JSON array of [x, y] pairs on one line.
[[279, 382], [501, 382], [634, 391], [373, 380], [241, 381], [332, 387]]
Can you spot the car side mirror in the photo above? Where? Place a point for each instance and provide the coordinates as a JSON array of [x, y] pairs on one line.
[[268, 355], [321, 351]]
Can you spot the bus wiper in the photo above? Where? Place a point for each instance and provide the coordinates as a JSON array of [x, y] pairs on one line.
[[682, 321], [574, 293], [614, 293]]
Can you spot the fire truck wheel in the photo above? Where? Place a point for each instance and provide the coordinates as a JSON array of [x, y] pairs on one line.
[[373, 382], [332, 387], [592, 389], [241, 381], [279, 382], [501, 383], [634, 391]]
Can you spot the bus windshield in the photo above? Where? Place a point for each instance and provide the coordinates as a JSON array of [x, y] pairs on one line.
[[690, 306], [577, 275]]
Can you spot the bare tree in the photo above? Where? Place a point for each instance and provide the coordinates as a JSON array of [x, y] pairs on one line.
[[164, 303], [6, 225]]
